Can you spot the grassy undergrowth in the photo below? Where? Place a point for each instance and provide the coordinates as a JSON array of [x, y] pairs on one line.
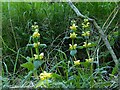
[[63, 58]]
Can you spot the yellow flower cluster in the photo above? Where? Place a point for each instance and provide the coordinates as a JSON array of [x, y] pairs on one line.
[[72, 47], [35, 27], [85, 24], [77, 62], [87, 33], [73, 27], [89, 60], [36, 44], [87, 44], [39, 56], [45, 75], [73, 35], [36, 34]]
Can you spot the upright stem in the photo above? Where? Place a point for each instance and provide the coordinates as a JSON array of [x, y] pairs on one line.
[[91, 71], [72, 42]]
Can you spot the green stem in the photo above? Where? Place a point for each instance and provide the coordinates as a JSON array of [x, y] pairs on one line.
[[72, 42], [91, 71], [37, 50], [88, 53], [75, 58], [35, 74]]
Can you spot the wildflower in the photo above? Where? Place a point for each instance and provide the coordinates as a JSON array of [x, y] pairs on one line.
[[73, 35], [36, 44], [73, 27], [39, 56], [85, 25], [85, 20], [77, 62], [86, 44], [89, 44], [89, 60], [36, 34], [72, 47], [34, 26], [87, 33], [45, 75], [73, 21]]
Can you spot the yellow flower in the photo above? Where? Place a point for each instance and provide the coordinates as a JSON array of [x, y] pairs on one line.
[[45, 75], [86, 44], [36, 44], [72, 47], [85, 20], [39, 56], [89, 44], [73, 21], [73, 35], [36, 34], [85, 25], [77, 62], [89, 60], [73, 27], [35, 27], [36, 56], [87, 33]]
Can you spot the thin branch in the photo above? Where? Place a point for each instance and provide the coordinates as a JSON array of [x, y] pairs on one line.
[[103, 36]]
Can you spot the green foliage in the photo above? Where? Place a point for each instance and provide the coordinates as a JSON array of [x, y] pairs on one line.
[[73, 52], [53, 19], [28, 65]]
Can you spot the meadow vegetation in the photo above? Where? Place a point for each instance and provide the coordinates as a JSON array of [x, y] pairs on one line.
[[46, 45]]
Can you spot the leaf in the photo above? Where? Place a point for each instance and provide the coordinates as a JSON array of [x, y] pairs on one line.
[[56, 76], [73, 52], [93, 44], [115, 70], [43, 45], [26, 77], [40, 83], [80, 47], [66, 38], [28, 65], [37, 64], [30, 45], [29, 59]]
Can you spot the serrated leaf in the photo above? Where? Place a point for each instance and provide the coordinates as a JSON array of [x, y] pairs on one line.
[[28, 65], [37, 64], [73, 52]]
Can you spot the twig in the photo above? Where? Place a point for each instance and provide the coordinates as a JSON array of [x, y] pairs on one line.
[[103, 36]]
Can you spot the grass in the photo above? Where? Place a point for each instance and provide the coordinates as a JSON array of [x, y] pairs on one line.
[[54, 20]]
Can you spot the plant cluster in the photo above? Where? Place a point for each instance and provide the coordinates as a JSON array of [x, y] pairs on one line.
[[78, 72]]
